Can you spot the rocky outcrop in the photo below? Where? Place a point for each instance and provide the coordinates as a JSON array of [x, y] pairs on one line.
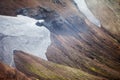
[[40, 69], [8, 73]]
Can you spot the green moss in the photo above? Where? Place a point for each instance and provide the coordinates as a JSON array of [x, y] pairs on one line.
[[93, 69], [35, 70], [52, 71], [50, 75]]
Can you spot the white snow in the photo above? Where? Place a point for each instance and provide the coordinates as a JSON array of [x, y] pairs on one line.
[[81, 4], [40, 21], [22, 33]]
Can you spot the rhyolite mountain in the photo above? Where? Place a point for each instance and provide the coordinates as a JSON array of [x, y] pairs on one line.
[[8, 73], [108, 12], [79, 49], [38, 68]]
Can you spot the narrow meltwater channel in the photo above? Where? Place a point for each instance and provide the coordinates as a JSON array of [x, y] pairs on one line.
[[81, 4]]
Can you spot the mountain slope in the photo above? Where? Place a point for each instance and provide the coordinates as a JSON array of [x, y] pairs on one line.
[[8, 73], [10, 7], [76, 42], [45, 70], [108, 12]]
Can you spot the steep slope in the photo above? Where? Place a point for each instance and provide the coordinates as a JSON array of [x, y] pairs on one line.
[[108, 12], [10, 7], [88, 48], [8, 73], [45, 70], [82, 6], [76, 42]]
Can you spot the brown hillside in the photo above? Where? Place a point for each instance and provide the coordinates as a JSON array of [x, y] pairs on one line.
[[45, 70], [8, 73]]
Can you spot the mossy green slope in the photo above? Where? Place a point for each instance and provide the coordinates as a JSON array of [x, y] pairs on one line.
[[45, 70]]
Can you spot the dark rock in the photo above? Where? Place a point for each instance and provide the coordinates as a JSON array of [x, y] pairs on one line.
[[39, 24], [37, 13], [61, 2]]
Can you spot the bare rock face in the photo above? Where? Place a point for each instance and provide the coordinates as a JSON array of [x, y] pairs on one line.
[[60, 2], [8, 73]]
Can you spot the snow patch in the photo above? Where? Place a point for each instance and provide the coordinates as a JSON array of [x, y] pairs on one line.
[[81, 4], [22, 33]]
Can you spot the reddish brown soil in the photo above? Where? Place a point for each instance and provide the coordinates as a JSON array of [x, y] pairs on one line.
[[8, 73], [9, 7]]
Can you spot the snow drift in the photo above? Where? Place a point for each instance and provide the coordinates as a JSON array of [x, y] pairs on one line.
[[81, 4], [22, 33]]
